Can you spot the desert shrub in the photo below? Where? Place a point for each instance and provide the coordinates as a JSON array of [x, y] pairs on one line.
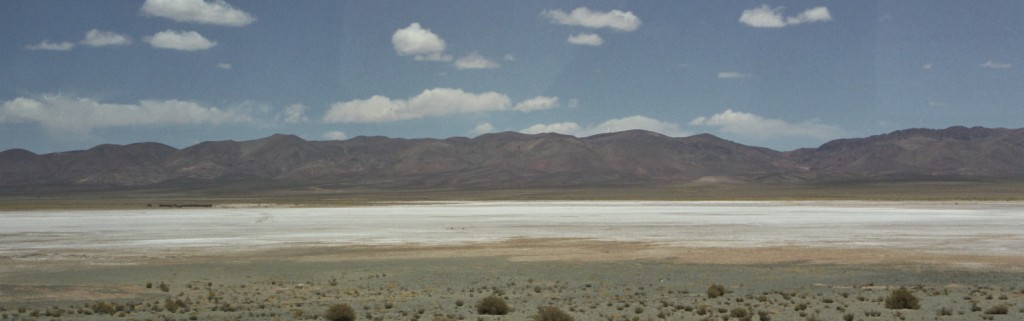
[[716, 290], [739, 313], [901, 299], [340, 312], [848, 317], [459, 302], [702, 309], [764, 316], [175, 305], [104, 308], [492, 305], [551, 314], [998, 309], [944, 311]]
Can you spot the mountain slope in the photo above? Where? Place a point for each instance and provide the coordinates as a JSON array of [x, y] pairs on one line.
[[921, 153], [515, 160]]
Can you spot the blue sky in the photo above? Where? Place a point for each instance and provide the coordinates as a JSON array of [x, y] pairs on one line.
[[782, 74]]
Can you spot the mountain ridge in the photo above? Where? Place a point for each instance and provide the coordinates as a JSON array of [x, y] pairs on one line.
[[517, 160]]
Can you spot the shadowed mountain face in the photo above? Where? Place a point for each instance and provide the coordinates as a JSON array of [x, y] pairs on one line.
[[955, 152], [514, 160]]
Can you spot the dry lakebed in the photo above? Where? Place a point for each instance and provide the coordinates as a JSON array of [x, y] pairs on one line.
[[611, 260]]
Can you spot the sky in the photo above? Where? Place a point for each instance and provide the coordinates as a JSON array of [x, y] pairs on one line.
[[776, 74]]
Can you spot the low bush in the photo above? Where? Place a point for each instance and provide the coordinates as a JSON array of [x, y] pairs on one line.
[[552, 314], [340, 312], [944, 311], [716, 290], [998, 309], [492, 305], [175, 305], [901, 299]]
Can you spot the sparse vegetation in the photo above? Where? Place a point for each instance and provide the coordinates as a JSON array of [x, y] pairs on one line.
[[340, 312], [716, 290], [550, 313], [492, 305], [175, 305], [944, 311], [998, 309], [902, 299]]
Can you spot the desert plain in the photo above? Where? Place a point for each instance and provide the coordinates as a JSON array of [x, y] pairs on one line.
[[594, 260]]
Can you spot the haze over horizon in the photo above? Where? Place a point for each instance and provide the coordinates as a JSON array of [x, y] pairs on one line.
[[782, 75]]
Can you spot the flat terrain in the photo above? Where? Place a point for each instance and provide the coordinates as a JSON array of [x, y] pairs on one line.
[[649, 260]]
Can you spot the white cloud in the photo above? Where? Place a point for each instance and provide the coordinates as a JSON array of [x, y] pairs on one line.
[[573, 103], [97, 38], [180, 40], [768, 17], [483, 129], [927, 66], [586, 39], [217, 12], [223, 65], [335, 135], [510, 57], [755, 127], [816, 14], [615, 19], [430, 103], [733, 75], [475, 61], [567, 128], [995, 65], [83, 115], [612, 125], [420, 43], [294, 114], [537, 103], [54, 46]]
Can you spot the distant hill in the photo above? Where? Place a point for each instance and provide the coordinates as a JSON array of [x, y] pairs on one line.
[[515, 160]]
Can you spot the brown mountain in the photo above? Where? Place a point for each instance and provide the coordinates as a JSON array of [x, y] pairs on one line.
[[515, 160], [951, 153]]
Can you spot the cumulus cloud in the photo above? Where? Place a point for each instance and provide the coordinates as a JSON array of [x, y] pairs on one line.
[[420, 43], [216, 12], [335, 135], [586, 39], [612, 125], [430, 103], [567, 128], [733, 75], [483, 129], [995, 65], [97, 38], [54, 46], [475, 61], [755, 127], [768, 17], [615, 19], [294, 114], [83, 115], [537, 103], [180, 40]]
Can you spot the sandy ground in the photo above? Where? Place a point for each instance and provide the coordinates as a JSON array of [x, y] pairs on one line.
[[604, 260]]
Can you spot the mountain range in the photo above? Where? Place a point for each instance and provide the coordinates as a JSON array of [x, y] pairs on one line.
[[516, 160]]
